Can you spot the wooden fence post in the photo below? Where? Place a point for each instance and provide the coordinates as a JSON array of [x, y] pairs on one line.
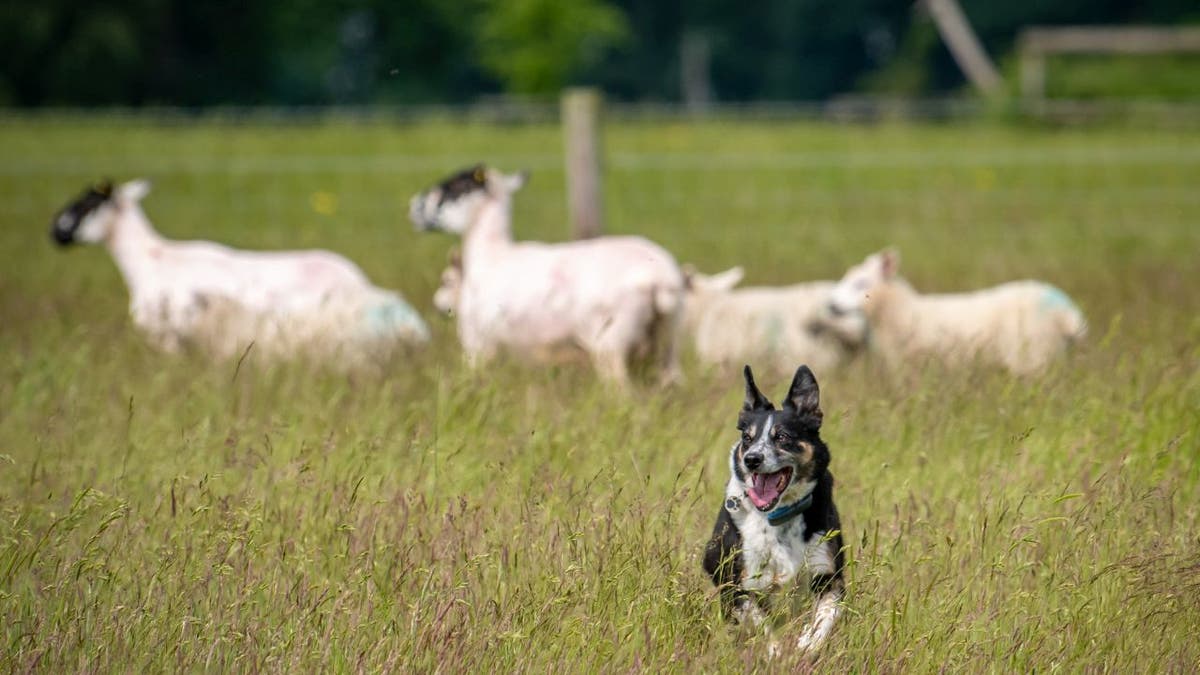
[[965, 47], [695, 76], [1033, 75], [581, 143]]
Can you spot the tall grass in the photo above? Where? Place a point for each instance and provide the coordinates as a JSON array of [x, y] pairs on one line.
[[162, 513]]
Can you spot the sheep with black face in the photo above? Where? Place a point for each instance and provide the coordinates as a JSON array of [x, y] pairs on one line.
[[219, 299], [610, 298]]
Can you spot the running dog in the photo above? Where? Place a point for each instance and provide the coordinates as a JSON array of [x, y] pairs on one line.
[[778, 520]]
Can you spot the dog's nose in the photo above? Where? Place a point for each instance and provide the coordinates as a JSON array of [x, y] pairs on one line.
[[753, 460]]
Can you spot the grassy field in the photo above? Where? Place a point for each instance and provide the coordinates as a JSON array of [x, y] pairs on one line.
[[161, 513]]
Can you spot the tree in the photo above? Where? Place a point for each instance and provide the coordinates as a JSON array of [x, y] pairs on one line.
[[535, 46]]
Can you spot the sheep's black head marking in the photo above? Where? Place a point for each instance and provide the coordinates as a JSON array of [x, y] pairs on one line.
[[67, 221], [453, 204], [464, 182], [449, 205]]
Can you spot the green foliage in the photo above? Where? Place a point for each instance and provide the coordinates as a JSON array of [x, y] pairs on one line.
[[535, 46], [279, 52], [798, 49], [164, 514], [998, 24], [1173, 77], [906, 74]]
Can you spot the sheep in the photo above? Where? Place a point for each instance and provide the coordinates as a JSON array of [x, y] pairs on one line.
[[353, 330], [199, 294], [613, 298], [776, 326], [445, 300], [1021, 326]]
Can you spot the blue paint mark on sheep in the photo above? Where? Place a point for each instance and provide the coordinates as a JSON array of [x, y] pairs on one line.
[[394, 315], [1053, 299], [774, 336]]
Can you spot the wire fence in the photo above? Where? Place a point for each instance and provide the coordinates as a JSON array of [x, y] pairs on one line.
[[1120, 155], [849, 109], [977, 202]]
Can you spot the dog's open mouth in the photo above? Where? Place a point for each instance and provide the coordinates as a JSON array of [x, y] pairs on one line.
[[766, 488]]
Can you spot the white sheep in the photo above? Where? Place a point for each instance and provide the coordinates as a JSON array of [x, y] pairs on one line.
[[352, 330], [201, 294], [1021, 325], [613, 298], [776, 326]]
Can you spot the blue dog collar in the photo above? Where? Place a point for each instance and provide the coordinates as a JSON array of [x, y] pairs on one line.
[[783, 514]]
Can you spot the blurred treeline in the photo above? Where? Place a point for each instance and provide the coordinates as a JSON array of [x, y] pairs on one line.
[[286, 52]]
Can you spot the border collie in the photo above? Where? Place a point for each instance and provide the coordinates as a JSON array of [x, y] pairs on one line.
[[778, 520]]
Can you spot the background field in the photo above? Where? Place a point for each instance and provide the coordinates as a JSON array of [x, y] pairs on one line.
[[160, 513]]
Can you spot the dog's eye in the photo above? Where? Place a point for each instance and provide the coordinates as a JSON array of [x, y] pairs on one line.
[[783, 438], [746, 437]]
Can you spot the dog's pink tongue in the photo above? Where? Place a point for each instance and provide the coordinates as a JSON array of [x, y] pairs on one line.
[[764, 488]]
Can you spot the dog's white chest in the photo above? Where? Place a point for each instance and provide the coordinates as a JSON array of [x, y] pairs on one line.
[[771, 556], [774, 556]]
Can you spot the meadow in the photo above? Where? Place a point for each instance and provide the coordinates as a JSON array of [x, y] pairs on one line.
[[163, 513]]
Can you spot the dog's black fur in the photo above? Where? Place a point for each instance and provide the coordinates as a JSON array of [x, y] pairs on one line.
[[792, 440]]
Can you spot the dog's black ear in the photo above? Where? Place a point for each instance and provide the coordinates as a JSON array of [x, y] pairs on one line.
[[804, 397], [754, 398]]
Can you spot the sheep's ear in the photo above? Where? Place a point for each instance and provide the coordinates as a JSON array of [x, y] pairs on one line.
[[134, 191], [889, 262], [723, 281], [690, 276], [518, 180], [727, 280], [804, 396], [508, 182], [754, 398]]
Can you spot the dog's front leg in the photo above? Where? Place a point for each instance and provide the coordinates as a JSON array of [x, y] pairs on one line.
[[747, 611], [829, 590]]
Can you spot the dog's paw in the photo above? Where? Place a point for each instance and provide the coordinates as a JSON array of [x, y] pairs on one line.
[[750, 615], [774, 651], [809, 641]]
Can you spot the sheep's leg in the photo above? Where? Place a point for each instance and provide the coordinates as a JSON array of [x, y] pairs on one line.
[[477, 357], [159, 334], [168, 342], [611, 343], [477, 354], [670, 373], [477, 350], [612, 366]]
